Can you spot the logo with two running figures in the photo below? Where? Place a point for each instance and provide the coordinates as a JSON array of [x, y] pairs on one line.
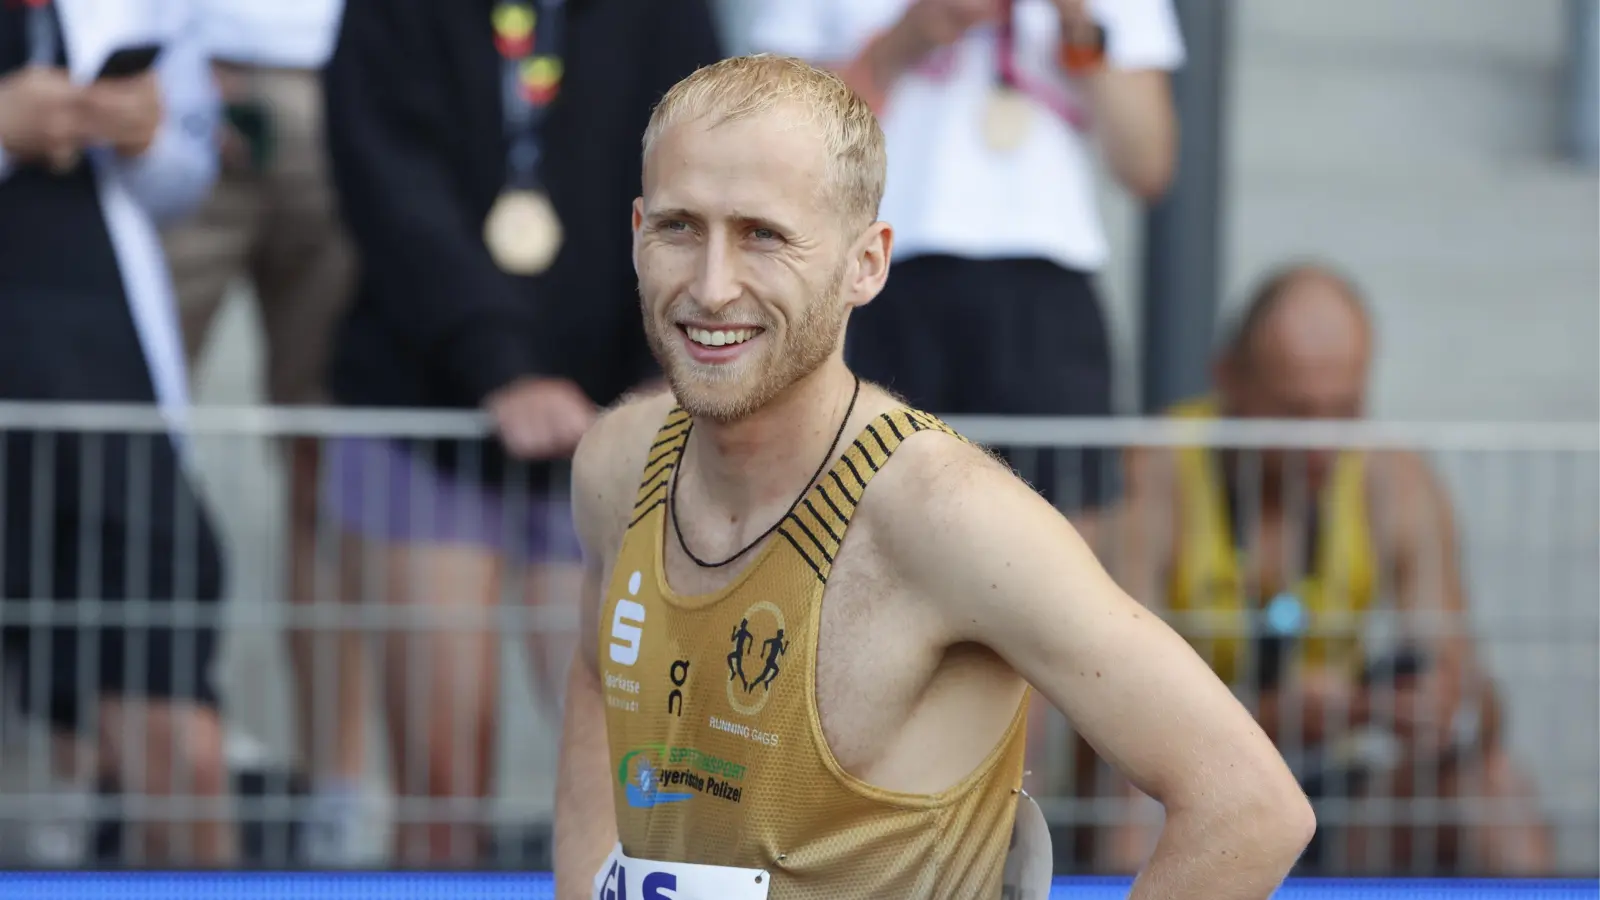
[[759, 640]]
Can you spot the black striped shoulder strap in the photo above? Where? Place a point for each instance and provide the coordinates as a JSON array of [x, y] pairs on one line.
[[816, 527], [665, 451]]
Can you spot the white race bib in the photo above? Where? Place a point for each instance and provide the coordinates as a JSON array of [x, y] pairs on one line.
[[1029, 862], [622, 877]]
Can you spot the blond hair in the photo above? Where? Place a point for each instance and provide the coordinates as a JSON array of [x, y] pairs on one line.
[[746, 86]]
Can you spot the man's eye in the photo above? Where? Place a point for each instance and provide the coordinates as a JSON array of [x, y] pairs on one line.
[[764, 234]]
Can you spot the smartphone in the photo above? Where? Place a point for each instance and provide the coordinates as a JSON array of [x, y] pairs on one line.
[[129, 61]]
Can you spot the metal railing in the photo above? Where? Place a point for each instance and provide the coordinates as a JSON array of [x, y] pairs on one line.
[[1524, 501]]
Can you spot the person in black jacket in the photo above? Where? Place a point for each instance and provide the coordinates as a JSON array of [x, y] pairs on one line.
[[112, 573], [486, 154]]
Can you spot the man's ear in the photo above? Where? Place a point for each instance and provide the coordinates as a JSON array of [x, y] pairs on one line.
[[871, 256]]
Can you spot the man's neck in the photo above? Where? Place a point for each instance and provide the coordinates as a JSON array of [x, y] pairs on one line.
[[768, 457]]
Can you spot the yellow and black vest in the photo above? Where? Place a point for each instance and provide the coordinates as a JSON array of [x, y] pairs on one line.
[[717, 751], [1207, 580]]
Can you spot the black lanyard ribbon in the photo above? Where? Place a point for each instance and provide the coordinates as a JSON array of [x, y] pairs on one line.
[[529, 36]]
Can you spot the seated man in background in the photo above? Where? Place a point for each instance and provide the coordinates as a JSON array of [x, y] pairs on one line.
[[1314, 541]]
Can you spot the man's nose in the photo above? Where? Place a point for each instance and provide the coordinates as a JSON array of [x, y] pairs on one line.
[[717, 283]]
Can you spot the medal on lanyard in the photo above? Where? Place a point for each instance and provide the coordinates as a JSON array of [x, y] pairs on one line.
[[523, 231], [1010, 112]]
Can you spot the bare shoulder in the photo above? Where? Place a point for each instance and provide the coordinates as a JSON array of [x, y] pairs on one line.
[[937, 456], [1407, 502], [937, 493], [607, 466]]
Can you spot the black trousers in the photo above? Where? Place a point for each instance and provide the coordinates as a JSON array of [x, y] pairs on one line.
[[1021, 337], [106, 545]]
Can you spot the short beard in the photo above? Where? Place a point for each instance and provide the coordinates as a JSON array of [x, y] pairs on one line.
[[715, 393]]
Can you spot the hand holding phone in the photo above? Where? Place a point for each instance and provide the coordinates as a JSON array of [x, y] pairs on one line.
[[42, 117], [124, 102]]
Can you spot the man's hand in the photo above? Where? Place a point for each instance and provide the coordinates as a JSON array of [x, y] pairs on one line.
[[925, 27], [125, 112], [541, 418], [939, 23], [42, 117]]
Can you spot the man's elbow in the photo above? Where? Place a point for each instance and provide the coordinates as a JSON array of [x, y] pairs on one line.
[[1284, 819]]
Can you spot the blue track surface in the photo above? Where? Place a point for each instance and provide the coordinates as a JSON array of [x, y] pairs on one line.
[[247, 886]]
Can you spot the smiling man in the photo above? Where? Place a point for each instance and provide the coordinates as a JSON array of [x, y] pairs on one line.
[[814, 615]]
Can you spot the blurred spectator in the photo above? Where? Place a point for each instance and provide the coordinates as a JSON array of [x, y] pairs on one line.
[[272, 218], [86, 165], [1321, 545], [486, 155], [991, 109]]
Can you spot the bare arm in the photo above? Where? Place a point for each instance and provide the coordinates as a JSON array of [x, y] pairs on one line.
[[1429, 596], [586, 827], [1005, 570], [884, 60], [605, 472], [585, 823], [1135, 539], [1137, 128], [925, 26]]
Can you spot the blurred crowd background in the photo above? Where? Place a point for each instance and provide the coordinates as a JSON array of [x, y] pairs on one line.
[[1292, 307]]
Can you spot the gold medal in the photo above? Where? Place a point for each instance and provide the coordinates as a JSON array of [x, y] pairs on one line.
[[1007, 119], [523, 232]]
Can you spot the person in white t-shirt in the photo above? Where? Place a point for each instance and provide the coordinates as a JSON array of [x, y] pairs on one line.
[[993, 110]]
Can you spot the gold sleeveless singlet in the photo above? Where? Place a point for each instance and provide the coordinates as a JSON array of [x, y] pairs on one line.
[[717, 752], [1208, 577]]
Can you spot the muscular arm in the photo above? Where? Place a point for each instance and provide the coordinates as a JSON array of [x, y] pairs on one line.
[[1135, 539], [1003, 569], [1137, 128], [1428, 593], [605, 470], [586, 827]]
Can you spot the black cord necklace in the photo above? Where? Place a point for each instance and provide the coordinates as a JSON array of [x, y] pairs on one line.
[[672, 497]]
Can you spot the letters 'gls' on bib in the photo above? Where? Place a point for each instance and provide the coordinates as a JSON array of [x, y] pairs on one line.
[[622, 877]]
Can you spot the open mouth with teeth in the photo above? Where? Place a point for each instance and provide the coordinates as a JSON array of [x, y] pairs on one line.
[[718, 344], [721, 338]]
